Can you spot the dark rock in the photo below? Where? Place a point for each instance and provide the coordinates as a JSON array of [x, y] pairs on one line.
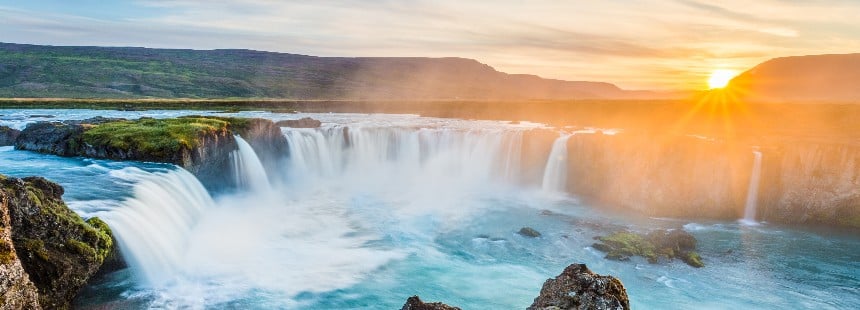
[[58, 250], [305, 122], [267, 140], [529, 232], [8, 135], [415, 303], [41, 116], [656, 245], [580, 288]]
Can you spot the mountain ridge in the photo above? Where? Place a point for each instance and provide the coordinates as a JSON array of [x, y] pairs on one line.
[[137, 72]]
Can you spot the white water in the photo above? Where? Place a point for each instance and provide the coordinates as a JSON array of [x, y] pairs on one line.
[[248, 169], [555, 173], [153, 227], [752, 190]]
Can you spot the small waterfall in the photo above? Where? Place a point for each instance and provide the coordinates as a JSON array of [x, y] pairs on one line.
[[752, 191], [555, 173], [248, 169], [153, 227]]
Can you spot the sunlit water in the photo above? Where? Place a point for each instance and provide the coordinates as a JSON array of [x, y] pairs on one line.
[[412, 206]]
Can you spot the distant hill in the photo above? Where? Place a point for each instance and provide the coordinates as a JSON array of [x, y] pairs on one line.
[[806, 78], [130, 72]]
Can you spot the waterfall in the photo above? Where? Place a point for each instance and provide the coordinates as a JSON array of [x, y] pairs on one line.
[[405, 154], [248, 169], [752, 191], [153, 227], [555, 173]]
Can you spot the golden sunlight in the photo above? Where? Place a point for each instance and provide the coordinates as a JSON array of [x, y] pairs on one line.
[[720, 78]]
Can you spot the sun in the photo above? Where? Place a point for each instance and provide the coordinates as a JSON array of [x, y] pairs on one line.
[[720, 78]]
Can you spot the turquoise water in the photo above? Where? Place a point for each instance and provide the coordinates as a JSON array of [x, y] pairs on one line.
[[369, 243]]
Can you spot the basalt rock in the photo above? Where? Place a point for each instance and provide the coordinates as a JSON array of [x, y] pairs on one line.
[[57, 249], [580, 288], [529, 232], [305, 122], [415, 303], [8, 135]]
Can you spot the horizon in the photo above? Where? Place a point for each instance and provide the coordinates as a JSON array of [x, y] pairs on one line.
[[606, 42]]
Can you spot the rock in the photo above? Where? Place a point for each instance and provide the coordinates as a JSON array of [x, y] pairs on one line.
[[57, 249], [8, 135], [529, 232], [415, 303], [580, 288], [305, 122], [16, 289], [656, 245], [201, 145]]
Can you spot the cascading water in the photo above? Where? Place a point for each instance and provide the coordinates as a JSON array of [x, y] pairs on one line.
[[153, 227], [248, 169], [555, 173], [752, 190]]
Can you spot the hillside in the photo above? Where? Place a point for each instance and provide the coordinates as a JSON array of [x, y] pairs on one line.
[[130, 72], [806, 78]]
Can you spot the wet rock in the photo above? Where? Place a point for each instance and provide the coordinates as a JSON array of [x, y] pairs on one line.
[[529, 232], [8, 135], [415, 303], [654, 246], [57, 249], [305, 122], [577, 287]]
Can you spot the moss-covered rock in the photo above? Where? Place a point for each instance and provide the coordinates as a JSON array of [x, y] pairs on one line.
[[58, 249], [200, 144], [577, 287], [16, 289], [656, 245]]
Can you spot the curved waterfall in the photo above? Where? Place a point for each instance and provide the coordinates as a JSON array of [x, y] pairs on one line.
[[248, 170], [555, 173], [154, 226]]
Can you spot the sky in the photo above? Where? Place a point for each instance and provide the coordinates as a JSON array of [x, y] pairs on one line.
[[636, 44]]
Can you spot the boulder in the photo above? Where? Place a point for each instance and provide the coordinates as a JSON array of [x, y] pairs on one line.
[[57, 249], [577, 287], [305, 122], [415, 303], [661, 243], [16, 289], [529, 232], [8, 135]]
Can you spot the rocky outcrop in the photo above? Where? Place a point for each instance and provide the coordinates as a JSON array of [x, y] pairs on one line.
[[305, 122], [201, 145], [656, 245], [580, 288], [57, 249], [415, 303], [16, 289], [528, 232], [8, 135]]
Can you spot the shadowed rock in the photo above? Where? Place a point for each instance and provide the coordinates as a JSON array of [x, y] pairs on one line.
[[580, 288], [529, 232], [415, 303], [8, 135]]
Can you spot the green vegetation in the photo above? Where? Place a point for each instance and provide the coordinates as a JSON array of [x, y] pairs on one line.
[[625, 244], [99, 234], [157, 137]]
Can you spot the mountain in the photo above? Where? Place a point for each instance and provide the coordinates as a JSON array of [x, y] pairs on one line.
[[132, 72], [802, 78]]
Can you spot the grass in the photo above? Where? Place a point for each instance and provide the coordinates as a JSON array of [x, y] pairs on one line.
[[157, 137]]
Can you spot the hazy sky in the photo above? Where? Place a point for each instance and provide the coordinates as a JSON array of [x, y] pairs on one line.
[[636, 44]]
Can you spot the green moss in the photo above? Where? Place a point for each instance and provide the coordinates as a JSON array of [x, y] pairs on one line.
[[692, 259], [630, 244], [37, 247], [81, 248], [157, 137], [6, 254], [99, 235]]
